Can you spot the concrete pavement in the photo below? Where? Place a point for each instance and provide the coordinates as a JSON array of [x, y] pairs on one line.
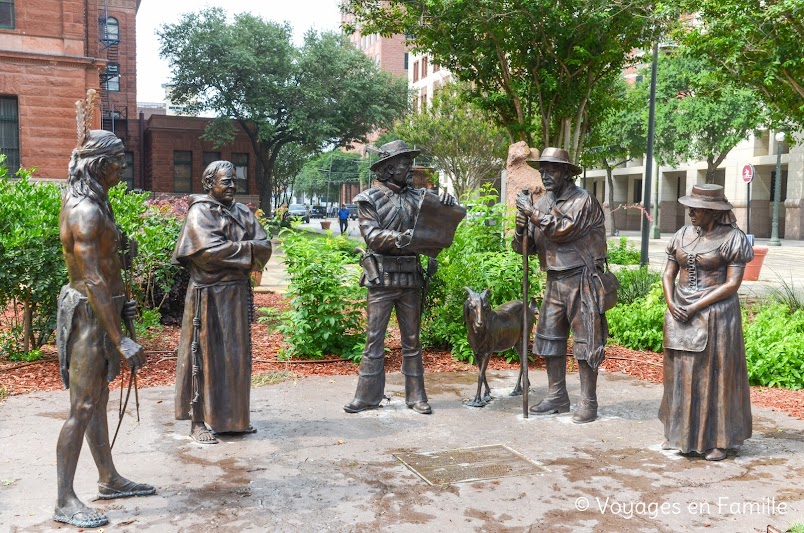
[[311, 467]]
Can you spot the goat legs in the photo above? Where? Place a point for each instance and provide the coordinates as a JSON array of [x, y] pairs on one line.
[[479, 400]]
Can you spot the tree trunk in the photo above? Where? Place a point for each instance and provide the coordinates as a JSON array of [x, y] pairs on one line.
[[27, 320]]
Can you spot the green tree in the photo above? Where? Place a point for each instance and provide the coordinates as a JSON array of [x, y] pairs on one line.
[[324, 93], [323, 175], [619, 133], [533, 64], [286, 169], [756, 45], [699, 115], [459, 139]]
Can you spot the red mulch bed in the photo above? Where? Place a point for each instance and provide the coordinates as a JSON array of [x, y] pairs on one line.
[[20, 378]]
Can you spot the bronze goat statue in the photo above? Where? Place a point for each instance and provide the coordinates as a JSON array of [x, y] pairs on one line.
[[491, 331]]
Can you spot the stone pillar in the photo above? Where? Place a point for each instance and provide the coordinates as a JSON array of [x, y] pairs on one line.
[[519, 174]]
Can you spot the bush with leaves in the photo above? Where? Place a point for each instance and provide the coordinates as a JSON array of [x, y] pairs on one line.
[[33, 269], [774, 337], [635, 283], [622, 253], [155, 225], [479, 257], [327, 304], [639, 325]]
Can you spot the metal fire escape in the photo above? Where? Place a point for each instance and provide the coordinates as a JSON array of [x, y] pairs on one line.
[[109, 37]]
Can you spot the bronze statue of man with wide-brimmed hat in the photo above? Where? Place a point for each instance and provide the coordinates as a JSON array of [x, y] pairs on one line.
[[566, 230], [393, 274]]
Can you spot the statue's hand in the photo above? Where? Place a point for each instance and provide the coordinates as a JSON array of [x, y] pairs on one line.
[[521, 222], [129, 311], [404, 238], [446, 198], [523, 204], [133, 352], [678, 312]]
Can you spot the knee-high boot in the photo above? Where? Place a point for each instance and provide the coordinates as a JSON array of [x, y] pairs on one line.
[[557, 399], [370, 386], [415, 395], [587, 406]]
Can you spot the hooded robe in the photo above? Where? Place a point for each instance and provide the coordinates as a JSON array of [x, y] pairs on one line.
[[220, 246]]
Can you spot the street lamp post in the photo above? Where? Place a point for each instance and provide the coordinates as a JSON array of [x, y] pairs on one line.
[[777, 186], [656, 232], [649, 155]]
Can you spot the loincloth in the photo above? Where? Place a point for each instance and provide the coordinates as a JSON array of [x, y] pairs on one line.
[[70, 300]]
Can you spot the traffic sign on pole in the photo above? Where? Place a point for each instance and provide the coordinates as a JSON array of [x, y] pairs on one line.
[[748, 173]]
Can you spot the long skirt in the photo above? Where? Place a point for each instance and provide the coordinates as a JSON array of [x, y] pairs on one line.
[[706, 402]]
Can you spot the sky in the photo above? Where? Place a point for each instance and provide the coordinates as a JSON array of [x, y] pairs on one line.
[[152, 72]]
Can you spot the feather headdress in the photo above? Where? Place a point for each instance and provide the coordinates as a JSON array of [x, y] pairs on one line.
[[84, 111]]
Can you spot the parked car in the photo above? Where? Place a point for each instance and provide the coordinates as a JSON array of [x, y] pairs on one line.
[[352, 211], [298, 211], [318, 211]]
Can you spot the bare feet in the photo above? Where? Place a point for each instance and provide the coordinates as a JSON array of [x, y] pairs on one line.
[[77, 514], [200, 434], [121, 487]]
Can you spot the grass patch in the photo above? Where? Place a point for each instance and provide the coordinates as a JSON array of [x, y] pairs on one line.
[[270, 378], [3, 394]]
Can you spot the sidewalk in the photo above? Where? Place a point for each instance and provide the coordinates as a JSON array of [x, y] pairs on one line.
[[311, 467]]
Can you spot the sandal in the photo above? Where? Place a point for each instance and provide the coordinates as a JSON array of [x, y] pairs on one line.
[[105, 492], [84, 519]]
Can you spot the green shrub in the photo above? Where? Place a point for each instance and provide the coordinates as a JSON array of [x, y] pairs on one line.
[[326, 300], [639, 325], [33, 269], [155, 225], [480, 257], [635, 283], [774, 346], [622, 253]]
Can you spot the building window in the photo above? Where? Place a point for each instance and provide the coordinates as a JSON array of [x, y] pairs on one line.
[[637, 191], [7, 14], [415, 71], [210, 157], [128, 173], [240, 161], [111, 77], [423, 101], [406, 61], [436, 67], [110, 30], [424, 67], [10, 133], [182, 171]]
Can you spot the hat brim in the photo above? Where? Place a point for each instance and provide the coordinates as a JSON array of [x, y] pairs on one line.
[[537, 164], [699, 203], [377, 164]]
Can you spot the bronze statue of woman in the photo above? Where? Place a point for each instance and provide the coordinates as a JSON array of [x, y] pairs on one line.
[[706, 406]]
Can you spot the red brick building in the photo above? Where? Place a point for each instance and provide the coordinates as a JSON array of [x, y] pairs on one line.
[[51, 52], [176, 156]]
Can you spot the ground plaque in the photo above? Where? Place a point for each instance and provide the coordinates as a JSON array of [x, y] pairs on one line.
[[469, 464]]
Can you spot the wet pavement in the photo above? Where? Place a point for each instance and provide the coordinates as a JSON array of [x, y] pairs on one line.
[[311, 467]]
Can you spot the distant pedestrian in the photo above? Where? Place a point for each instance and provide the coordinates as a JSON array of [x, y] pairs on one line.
[[343, 218]]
